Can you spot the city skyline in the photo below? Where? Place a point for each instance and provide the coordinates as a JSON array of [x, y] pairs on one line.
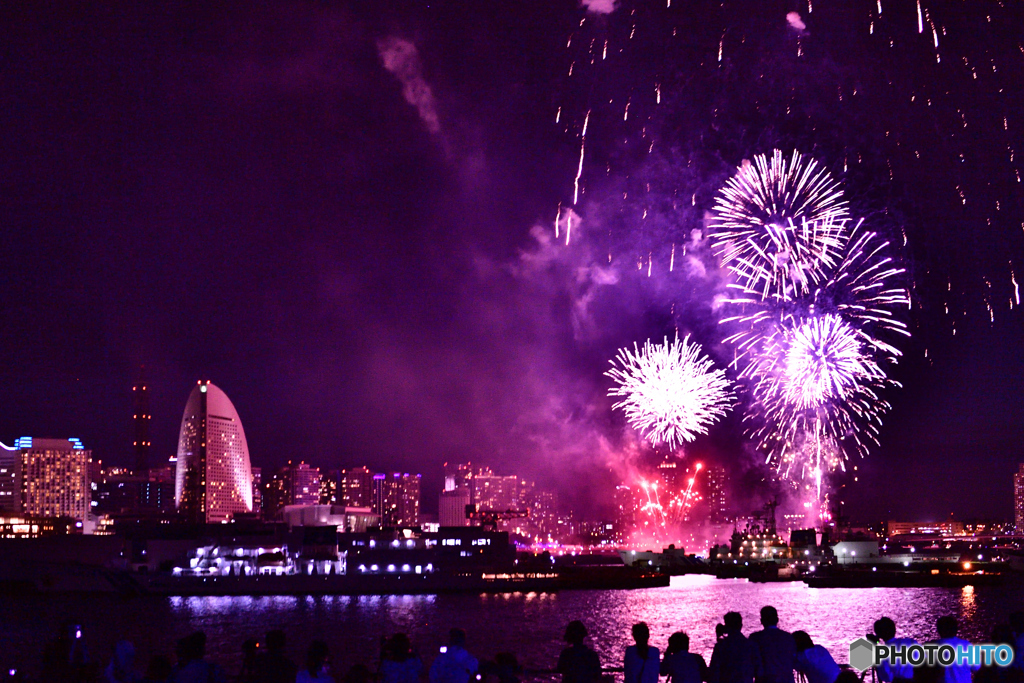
[[248, 194]]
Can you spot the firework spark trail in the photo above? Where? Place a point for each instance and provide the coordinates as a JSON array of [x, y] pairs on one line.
[[688, 495], [669, 391]]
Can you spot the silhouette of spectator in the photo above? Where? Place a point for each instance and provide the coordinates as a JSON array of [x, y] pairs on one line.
[[65, 658], [641, 663], [956, 672], [401, 664], [192, 668], [249, 673], [991, 673], [159, 669], [1017, 624], [776, 647], [681, 665], [273, 666], [814, 661], [317, 664], [848, 676], [719, 632], [122, 665], [578, 663], [359, 673], [735, 659], [506, 667], [454, 665], [885, 630]]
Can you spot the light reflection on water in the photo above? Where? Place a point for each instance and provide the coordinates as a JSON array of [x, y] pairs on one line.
[[527, 624]]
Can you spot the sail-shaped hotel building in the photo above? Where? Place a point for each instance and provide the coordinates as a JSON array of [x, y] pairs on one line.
[[213, 479]]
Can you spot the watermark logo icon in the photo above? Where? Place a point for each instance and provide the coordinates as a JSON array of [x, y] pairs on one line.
[[862, 654]]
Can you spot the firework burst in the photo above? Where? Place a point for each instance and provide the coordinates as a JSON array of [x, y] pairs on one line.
[[814, 365], [778, 224], [670, 391]]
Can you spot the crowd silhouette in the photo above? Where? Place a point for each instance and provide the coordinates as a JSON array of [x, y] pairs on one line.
[[768, 655]]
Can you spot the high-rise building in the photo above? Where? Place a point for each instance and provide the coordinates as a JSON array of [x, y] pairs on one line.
[[451, 508], [356, 487], [458, 476], [53, 477], [257, 490], [140, 422], [213, 480], [158, 492], [671, 474], [492, 492], [329, 494], [625, 511], [714, 494], [396, 498], [293, 484], [276, 495], [1018, 498], [10, 479]]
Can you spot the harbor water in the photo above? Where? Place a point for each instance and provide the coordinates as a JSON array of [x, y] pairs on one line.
[[528, 625]]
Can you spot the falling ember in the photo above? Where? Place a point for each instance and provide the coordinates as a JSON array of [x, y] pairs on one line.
[[579, 172], [920, 18]]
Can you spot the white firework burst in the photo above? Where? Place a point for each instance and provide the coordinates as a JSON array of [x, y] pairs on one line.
[[670, 392], [776, 224]]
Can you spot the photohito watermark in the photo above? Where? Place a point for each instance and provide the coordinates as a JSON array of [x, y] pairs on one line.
[[864, 654]]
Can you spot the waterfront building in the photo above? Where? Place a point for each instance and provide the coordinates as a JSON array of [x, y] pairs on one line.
[[51, 477], [10, 479], [493, 492], [451, 510], [356, 487], [458, 476], [1018, 498], [213, 479], [947, 528], [293, 484], [329, 489], [257, 490], [396, 499], [715, 494]]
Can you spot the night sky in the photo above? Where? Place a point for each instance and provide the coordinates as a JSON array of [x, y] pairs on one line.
[[343, 215]]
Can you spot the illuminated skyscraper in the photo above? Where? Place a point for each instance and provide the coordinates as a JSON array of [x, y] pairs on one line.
[[458, 476], [52, 475], [356, 486], [491, 492], [213, 480], [140, 420], [257, 490], [714, 494], [1018, 497], [451, 509], [396, 498], [10, 479], [293, 484]]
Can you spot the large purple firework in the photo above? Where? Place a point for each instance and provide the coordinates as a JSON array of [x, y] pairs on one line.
[[813, 352]]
